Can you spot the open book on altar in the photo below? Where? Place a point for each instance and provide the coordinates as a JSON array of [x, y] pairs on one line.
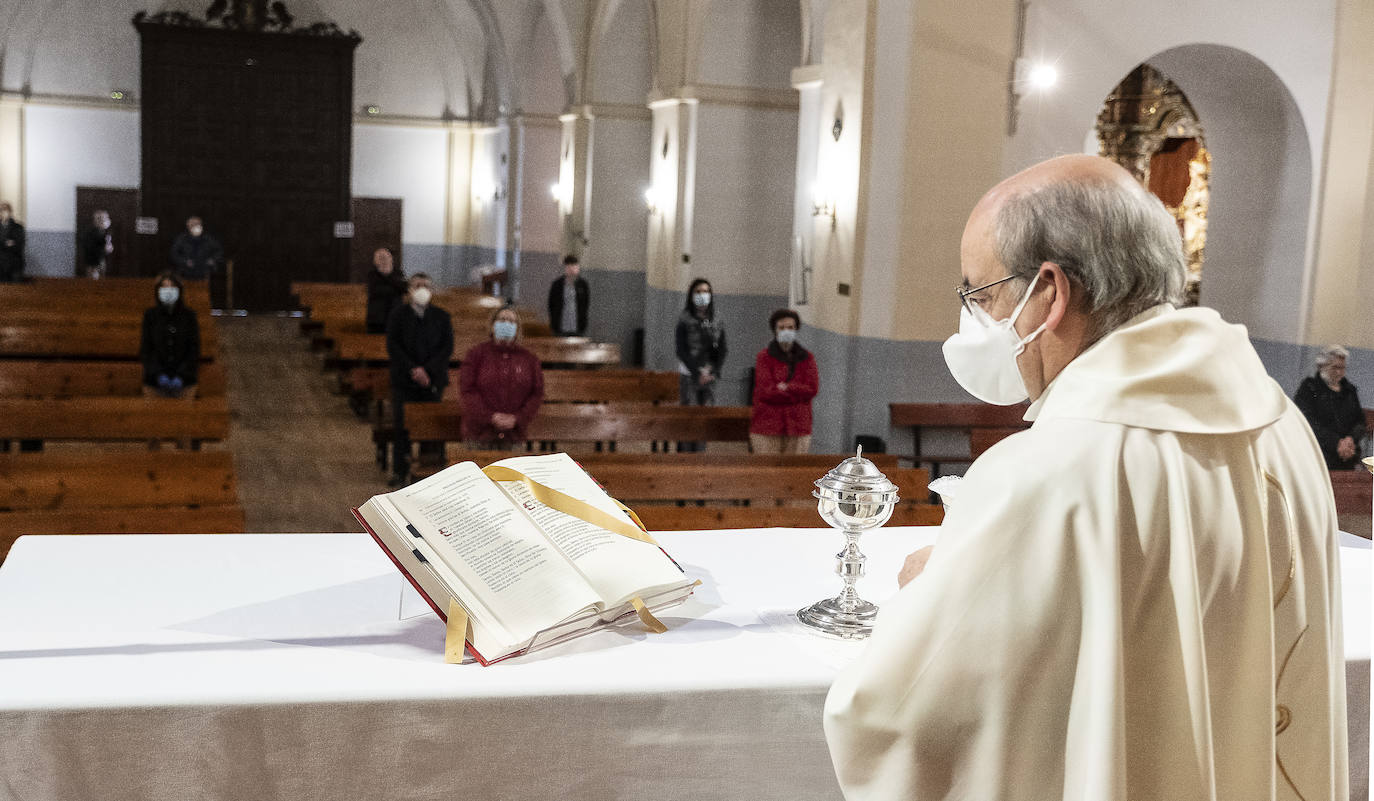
[[531, 549]]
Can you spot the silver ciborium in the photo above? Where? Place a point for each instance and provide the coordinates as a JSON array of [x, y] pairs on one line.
[[854, 497]]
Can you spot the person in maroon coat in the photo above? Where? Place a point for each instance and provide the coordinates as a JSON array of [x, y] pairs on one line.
[[502, 387], [785, 381]]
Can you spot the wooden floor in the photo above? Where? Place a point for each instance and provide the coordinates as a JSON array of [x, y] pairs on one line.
[[302, 458]]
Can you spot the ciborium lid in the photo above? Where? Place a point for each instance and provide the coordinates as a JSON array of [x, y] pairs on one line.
[[855, 474]]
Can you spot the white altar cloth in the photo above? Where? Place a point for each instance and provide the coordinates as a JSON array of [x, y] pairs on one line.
[[291, 666]]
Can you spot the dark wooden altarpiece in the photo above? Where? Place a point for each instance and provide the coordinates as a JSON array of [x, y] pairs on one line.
[[251, 129]]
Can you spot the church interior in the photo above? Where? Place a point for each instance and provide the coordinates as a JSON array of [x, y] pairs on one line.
[[821, 156]]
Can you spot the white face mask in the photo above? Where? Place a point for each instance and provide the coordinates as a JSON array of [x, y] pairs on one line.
[[787, 336], [701, 299], [196, 230], [168, 294], [982, 356], [421, 296]]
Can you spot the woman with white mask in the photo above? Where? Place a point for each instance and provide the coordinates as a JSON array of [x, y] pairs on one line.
[[502, 387], [785, 381], [170, 346]]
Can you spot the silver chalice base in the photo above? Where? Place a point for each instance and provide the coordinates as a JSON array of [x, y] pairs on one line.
[[831, 617]]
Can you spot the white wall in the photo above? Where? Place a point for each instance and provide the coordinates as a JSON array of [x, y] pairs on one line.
[[742, 215], [70, 147], [755, 43], [408, 163], [620, 174]]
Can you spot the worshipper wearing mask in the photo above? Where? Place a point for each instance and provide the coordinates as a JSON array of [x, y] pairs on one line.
[[419, 344], [1331, 405], [170, 347], [700, 342], [502, 387], [785, 381], [386, 288], [569, 297], [97, 245], [1143, 601], [196, 254], [11, 245]]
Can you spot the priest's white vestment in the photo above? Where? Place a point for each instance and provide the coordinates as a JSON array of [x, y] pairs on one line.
[[1136, 598]]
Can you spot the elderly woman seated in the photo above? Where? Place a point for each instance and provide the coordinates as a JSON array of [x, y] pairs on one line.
[[1332, 407]]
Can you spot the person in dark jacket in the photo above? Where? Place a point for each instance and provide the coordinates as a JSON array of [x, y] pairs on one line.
[[11, 245], [785, 381], [196, 254], [419, 344], [386, 286], [700, 345], [1331, 405], [502, 387], [170, 347], [569, 297], [97, 245]]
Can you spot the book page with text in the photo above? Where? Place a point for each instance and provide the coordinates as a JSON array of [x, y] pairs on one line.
[[494, 549], [616, 566]]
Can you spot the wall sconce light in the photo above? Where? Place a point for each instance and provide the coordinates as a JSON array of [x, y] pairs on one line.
[[372, 109], [560, 193], [823, 204], [651, 200]]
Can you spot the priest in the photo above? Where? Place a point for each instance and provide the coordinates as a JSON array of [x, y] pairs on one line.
[[1144, 602]]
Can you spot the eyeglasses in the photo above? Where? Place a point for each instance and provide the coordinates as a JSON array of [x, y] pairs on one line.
[[964, 293]]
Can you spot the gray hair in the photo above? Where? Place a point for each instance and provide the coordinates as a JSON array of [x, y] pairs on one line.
[[1115, 240], [1329, 354]]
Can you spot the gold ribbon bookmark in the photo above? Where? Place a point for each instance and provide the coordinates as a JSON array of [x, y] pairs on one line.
[[459, 631], [569, 505], [646, 617]]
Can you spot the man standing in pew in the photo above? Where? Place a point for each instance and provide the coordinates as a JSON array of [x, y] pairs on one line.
[[419, 345], [1140, 597], [196, 254], [569, 297], [11, 245]]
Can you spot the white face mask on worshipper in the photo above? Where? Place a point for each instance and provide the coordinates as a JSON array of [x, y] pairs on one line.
[[982, 356], [503, 330], [421, 296], [787, 336], [168, 295], [701, 299], [197, 230]]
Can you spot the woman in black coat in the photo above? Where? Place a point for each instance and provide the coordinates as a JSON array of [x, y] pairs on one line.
[[386, 286], [1331, 405], [170, 347]]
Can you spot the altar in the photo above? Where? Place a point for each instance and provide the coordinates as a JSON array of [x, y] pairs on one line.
[[301, 666]]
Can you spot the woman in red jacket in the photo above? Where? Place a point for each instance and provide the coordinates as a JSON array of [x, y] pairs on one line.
[[785, 381], [502, 387]]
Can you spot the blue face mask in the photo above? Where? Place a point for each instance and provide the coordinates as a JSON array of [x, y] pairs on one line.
[[701, 299], [503, 330], [168, 294], [787, 336]]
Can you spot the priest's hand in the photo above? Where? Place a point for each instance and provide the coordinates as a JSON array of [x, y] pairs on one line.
[[914, 565]]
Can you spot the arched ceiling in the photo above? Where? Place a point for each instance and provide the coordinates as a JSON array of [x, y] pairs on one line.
[[422, 58]]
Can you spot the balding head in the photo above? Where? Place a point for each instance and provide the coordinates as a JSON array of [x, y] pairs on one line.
[[1090, 217]]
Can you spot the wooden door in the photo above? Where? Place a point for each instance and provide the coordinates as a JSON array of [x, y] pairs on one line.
[[376, 224], [122, 204]]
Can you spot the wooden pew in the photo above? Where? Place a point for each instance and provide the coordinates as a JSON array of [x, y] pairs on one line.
[[560, 386], [362, 349], [818, 463], [597, 422], [1354, 491], [122, 492], [99, 419], [68, 379], [742, 495], [955, 417], [75, 340]]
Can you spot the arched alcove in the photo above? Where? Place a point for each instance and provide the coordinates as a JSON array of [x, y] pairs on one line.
[[1260, 189]]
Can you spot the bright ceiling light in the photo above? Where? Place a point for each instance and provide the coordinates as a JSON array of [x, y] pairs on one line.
[[1043, 76]]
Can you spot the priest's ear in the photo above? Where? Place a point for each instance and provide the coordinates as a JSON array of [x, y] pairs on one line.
[[1065, 295]]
